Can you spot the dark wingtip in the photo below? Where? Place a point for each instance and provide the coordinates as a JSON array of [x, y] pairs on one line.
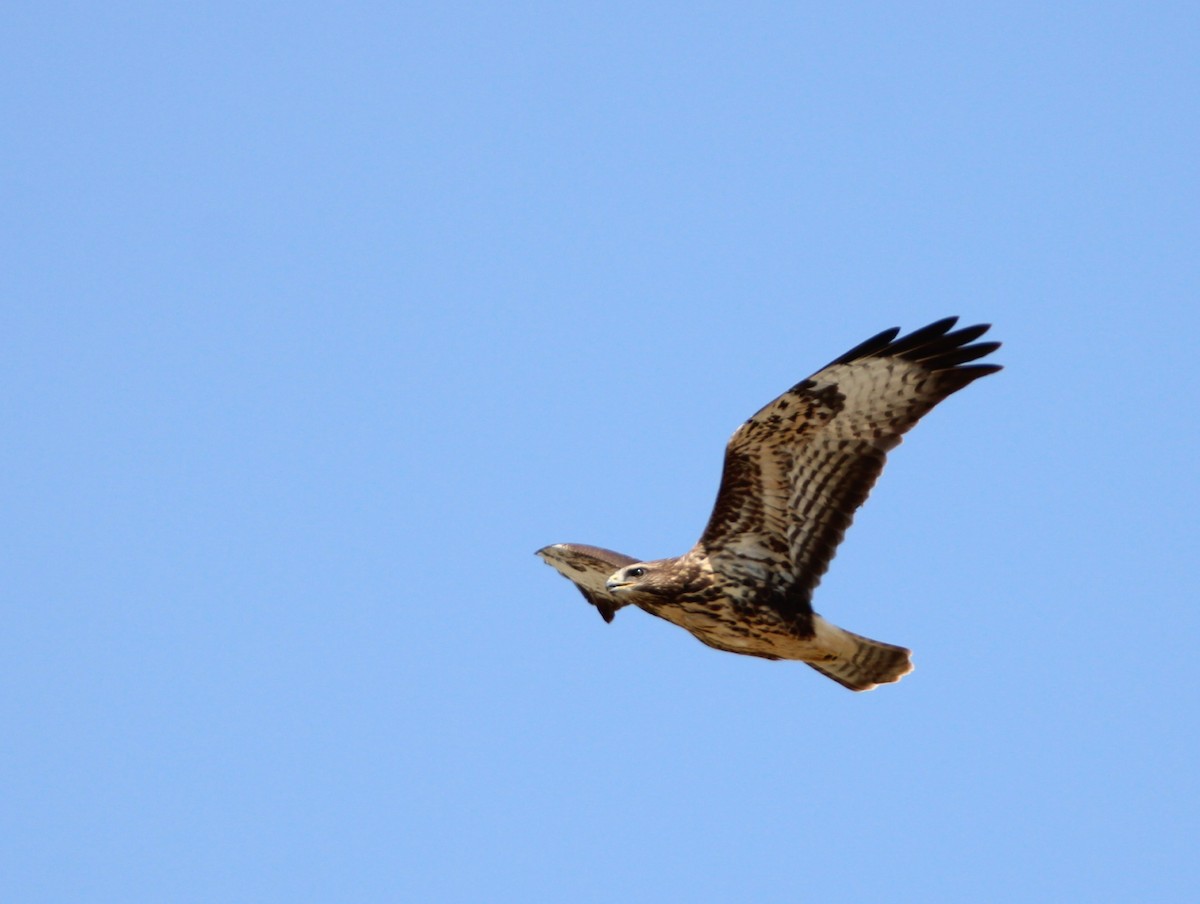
[[870, 347], [604, 606], [937, 347]]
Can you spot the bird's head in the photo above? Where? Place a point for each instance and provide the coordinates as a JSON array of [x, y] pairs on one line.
[[641, 577]]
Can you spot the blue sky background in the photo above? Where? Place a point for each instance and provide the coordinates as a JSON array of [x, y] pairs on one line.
[[319, 319]]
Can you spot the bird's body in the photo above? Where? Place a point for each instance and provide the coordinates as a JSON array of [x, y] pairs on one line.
[[794, 475]]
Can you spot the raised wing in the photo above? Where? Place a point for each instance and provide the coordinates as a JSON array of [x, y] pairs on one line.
[[798, 469], [588, 567]]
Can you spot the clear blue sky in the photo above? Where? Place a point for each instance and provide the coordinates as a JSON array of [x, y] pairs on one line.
[[319, 319]]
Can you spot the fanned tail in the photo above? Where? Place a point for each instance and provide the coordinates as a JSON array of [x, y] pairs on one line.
[[858, 662]]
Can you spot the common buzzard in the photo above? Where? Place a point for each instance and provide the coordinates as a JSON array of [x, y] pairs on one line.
[[794, 475]]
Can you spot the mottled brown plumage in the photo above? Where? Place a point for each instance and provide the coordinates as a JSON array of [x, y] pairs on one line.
[[794, 475]]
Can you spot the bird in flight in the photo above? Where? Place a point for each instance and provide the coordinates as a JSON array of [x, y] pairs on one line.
[[794, 475]]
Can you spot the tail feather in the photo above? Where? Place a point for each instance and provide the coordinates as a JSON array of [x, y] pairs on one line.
[[860, 663]]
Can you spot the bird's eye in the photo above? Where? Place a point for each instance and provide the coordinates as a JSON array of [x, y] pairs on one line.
[[635, 572]]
